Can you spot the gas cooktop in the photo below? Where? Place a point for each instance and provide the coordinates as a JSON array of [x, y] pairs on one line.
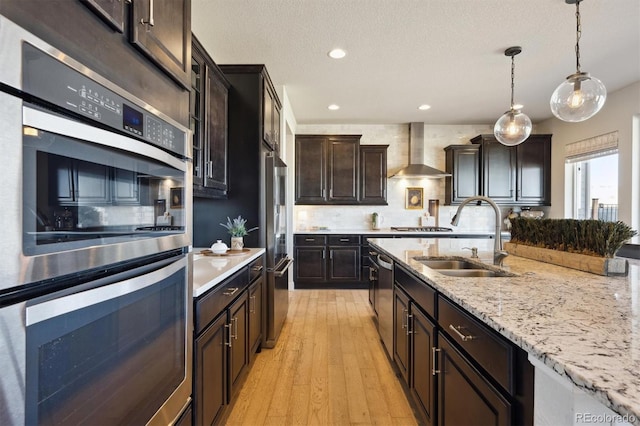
[[421, 228]]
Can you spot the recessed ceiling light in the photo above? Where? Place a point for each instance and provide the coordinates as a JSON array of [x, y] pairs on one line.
[[424, 107], [337, 54], [518, 106], [334, 107]]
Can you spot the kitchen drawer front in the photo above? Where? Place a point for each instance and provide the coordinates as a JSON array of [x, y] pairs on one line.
[[211, 304], [344, 240], [491, 352], [422, 294], [255, 268], [310, 240]]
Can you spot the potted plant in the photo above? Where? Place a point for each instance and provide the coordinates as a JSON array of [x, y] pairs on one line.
[[237, 228]]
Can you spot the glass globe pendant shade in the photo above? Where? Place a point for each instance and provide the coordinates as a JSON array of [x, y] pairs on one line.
[[578, 98], [512, 128]]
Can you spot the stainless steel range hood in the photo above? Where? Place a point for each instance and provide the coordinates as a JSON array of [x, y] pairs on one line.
[[416, 167]]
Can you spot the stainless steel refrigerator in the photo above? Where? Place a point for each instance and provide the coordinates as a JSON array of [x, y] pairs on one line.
[[278, 262]]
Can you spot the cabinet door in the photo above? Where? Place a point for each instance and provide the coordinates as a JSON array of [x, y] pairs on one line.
[[239, 351], [310, 170], [267, 116], [92, 183], [465, 397], [162, 31], [423, 381], [342, 169], [498, 171], [196, 111], [401, 332], [126, 188], [534, 170], [217, 100], [464, 165], [276, 127], [344, 263], [211, 372], [373, 174], [310, 264], [255, 317]]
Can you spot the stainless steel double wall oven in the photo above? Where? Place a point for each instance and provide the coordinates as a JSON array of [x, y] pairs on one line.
[[95, 291]]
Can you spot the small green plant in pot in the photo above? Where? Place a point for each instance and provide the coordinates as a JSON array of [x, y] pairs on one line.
[[237, 228]]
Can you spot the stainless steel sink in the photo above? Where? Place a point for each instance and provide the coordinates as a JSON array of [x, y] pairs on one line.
[[449, 264], [463, 268]]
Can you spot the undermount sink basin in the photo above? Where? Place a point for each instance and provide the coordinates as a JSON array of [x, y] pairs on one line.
[[463, 268], [449, 264]]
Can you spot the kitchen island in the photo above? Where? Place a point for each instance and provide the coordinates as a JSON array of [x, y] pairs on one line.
[[581, 331]]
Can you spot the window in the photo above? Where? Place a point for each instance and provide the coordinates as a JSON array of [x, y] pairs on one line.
[[593, 165]]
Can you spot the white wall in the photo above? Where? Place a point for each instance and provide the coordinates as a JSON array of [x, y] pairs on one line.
[[621, 113]]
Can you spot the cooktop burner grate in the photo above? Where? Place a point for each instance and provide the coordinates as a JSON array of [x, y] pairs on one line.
[[421, 228]]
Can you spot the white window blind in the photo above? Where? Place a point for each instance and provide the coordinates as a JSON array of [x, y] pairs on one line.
[[586, 149]]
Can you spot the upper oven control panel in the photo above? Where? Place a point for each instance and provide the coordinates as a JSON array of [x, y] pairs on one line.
[[55, 82]]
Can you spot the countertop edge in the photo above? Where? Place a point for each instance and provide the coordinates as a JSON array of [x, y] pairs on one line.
[[242, 261]]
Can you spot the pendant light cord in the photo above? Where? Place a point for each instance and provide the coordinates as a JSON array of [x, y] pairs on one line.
[[513, 67], [578, 35]]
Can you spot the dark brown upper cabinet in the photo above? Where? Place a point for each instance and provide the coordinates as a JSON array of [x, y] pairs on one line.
[[209, 123], [335, 169], [463, 163], [518, 174], [373, 174], [327, 169], [271, 117], [162, 31]]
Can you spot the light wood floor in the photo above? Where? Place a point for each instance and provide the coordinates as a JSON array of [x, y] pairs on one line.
[[328, 368]]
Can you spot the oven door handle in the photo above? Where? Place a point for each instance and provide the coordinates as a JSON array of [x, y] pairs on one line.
[[281, 267]]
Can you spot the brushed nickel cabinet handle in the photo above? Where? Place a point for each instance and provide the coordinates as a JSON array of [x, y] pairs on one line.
[[404, 318], [457, 330], [409, 318], [235, 328], [231, 291], [252, 310], [150, 21], [434, 355], [228, 342]]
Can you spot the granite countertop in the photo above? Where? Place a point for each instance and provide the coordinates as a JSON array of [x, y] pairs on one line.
[[209, 271], [585, 327]]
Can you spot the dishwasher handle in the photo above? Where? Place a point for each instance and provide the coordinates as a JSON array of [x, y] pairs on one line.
[[385, 262]]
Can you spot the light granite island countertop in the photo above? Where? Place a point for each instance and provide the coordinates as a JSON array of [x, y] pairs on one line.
[[581, 330]]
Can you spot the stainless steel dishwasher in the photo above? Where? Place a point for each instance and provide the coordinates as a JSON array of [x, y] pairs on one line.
[[384, 302]]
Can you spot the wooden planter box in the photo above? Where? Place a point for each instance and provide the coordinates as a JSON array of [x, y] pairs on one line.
[[595, 265]]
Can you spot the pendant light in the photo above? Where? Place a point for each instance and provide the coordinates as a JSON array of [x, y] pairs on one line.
[[580, 96], [513, 127]]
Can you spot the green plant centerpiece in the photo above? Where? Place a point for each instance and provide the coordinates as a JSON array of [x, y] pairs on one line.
[[238, 229], [596, 240]]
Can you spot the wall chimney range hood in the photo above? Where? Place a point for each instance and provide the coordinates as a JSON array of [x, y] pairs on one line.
[[416, 167]]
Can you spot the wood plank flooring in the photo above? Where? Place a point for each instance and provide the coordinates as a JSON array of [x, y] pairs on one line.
[[328, 368]]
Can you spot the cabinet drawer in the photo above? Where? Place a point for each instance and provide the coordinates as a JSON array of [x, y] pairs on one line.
[[420, 292], [488, 349], [212, 303], [344, 240], [255, 268], [310, 240]]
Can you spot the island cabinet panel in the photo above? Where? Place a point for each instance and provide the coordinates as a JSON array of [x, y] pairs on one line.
[[458, 370], [465, 396]]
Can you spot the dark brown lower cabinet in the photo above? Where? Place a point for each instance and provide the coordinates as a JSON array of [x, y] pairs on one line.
[[422, 378], [210, 368], [255, 317], [465, 396], [238, 342], [344, 263], [401, 332]]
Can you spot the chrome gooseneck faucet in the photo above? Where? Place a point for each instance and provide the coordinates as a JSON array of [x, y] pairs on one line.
[[498, 253]]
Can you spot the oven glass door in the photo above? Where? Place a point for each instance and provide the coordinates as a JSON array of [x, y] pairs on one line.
[[112, 354], [85, 186]]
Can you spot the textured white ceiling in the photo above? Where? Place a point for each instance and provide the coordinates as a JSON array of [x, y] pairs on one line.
[[403, 53]]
